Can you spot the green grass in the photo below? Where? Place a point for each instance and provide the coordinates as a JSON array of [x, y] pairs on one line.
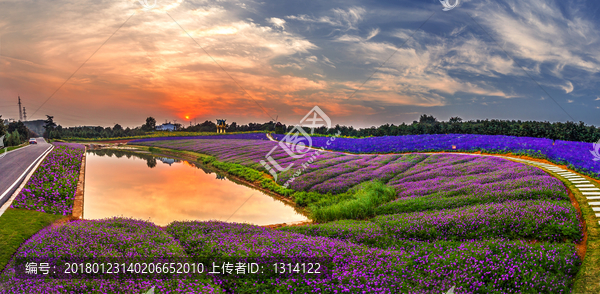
[[157, 134], [588, 277], [16, 226], [12, 148], [357, 203], [361, 204]]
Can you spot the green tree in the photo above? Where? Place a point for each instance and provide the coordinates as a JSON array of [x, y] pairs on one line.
[[49, 125], [2, 127], [150, 124], [427, 119]]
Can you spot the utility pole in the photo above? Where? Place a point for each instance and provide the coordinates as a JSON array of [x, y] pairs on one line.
[[24, 114], [20, 110]]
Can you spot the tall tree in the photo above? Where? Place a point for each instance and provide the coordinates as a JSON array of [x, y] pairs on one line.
[[150, 124], [49, 125]]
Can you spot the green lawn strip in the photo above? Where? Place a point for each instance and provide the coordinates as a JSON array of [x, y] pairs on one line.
[[16, 226], [12, 148]]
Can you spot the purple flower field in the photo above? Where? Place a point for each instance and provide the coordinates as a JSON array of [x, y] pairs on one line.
[[337, 172], [457, 220], [499, 266], [115, 238], [575, 154], [52, 187], [535, 220]]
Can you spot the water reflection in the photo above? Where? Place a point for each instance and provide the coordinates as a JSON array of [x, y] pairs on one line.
[[164, 189]]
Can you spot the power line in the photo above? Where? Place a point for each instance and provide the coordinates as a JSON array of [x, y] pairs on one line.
[[82, 64]]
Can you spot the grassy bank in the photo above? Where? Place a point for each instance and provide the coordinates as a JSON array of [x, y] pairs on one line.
[[588, 277], [358, 203], [154, 135], [16, 226], [12, 148]]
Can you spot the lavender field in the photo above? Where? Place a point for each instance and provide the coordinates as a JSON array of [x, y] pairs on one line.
[[574, 154], [487, 266]]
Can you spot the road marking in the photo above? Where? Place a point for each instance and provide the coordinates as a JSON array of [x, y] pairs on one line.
[[7, 203]]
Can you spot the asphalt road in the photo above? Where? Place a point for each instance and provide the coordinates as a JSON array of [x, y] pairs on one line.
[[16, 164]]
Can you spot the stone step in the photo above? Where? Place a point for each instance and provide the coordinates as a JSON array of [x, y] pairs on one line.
[[589, 189], [590, 193]]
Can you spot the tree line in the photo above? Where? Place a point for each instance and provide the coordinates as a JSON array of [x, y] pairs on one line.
[[15, 133], [427, 124]]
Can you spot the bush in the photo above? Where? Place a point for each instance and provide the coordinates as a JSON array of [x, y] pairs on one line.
[[360, 205]]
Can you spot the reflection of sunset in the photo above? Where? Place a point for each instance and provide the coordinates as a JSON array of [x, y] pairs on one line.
[[121, 186]]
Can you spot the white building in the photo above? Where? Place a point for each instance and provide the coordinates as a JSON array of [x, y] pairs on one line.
[[166, 127]]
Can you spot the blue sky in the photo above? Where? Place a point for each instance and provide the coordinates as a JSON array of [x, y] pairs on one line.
[[292, 55]]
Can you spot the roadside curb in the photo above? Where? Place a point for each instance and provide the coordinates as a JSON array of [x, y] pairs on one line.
[[78, 201]]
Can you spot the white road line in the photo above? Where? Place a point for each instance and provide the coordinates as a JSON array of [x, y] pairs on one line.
[[7, 203]]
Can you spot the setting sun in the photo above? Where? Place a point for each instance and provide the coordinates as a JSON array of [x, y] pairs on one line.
[[187, 117]]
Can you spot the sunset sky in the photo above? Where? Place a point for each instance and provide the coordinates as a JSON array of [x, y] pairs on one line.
[[282, 58]]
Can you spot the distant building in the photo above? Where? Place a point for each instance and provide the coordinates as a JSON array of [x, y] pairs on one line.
[[168, 161], [166, 127], [221, 126]]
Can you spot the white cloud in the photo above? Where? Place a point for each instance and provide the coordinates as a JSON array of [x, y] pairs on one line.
[[541, 32], [338, 17], [597, 99], [328, 62], [277, 22], [373, 33], [568, 87], [570, 101]]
